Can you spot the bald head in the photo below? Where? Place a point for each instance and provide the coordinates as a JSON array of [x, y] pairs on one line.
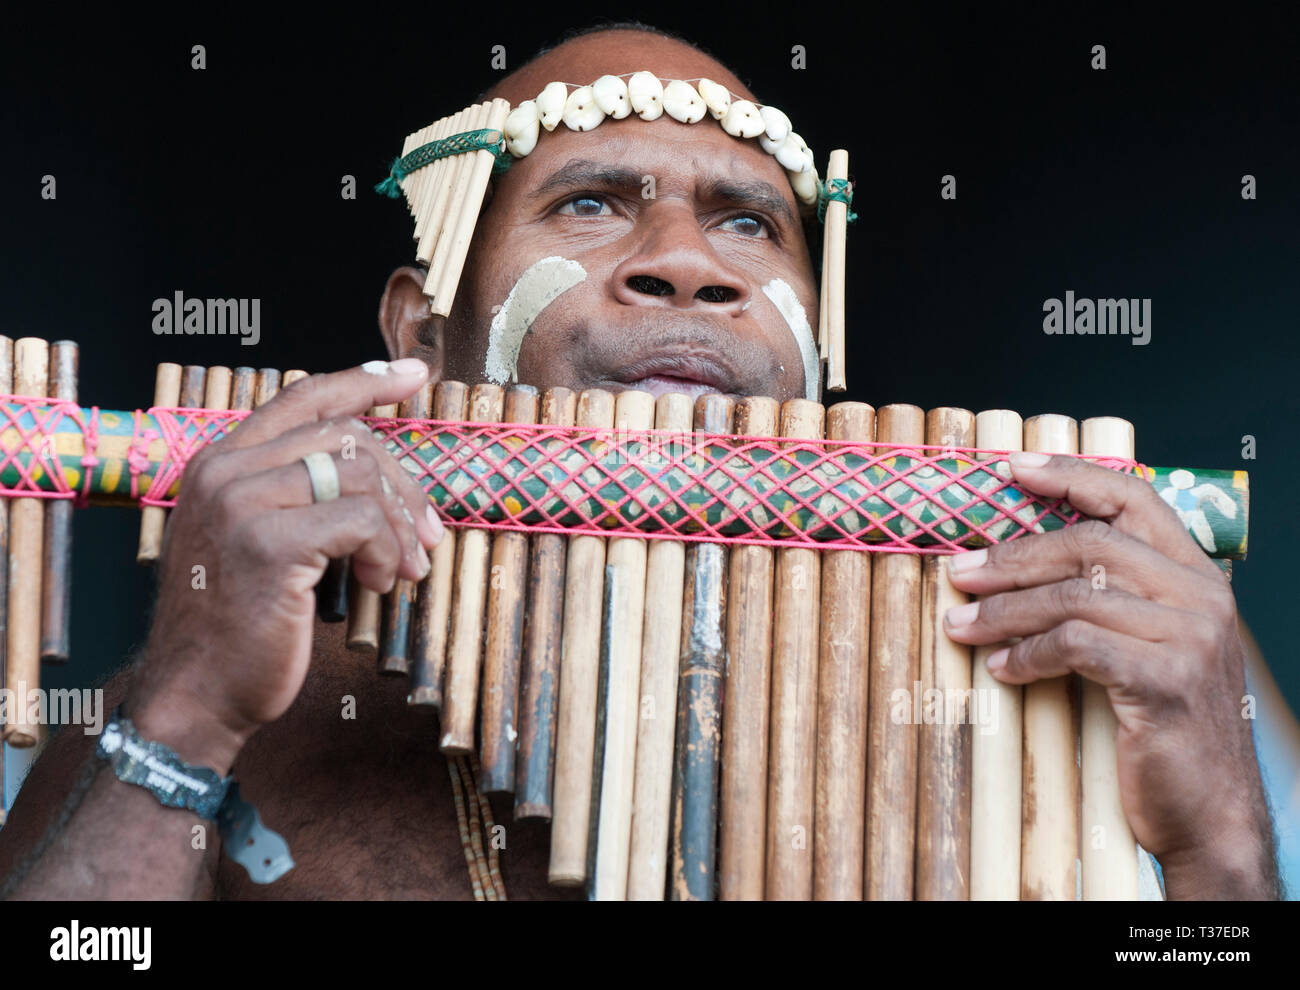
[[614, 51]]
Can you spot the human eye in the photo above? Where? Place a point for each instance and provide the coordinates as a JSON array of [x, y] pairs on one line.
[[584, 205], [748, 224]]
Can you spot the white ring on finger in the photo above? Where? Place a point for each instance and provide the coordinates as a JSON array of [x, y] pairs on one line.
[[324, 476]]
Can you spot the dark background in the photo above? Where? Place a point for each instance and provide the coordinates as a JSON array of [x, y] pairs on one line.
[[1124, 182]]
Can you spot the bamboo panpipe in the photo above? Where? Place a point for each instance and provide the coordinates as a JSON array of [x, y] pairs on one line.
[[815, 779]]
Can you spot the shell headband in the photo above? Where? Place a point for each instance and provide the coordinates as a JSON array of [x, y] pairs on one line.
[[444, 170]]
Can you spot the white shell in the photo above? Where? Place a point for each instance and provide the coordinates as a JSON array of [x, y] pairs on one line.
[[805, 185], [550, 104], [581, 112], [776, 125], [611, 96], [682, 102], [647, 95], [716, 97], [743, 120], [521, 129], [794, 154]]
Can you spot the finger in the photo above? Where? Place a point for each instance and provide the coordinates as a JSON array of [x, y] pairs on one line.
[[343, 393], [344, 435], [1095, 550], [1125, 500], [311, 535], [289, 486], [1037, 610], [1076, 646]]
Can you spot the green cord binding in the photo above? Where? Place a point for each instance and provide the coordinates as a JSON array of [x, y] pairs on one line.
[[840, 191], [456, 144]]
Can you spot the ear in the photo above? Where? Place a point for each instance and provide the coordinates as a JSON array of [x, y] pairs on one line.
[[409, 329]]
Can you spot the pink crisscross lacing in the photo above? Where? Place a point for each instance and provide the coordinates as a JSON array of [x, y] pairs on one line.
[[37, 441], [574, 478], [734, 477], [185, 431]]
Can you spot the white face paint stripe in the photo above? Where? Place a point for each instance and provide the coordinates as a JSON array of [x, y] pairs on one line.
[[787, 304], [536, 289]]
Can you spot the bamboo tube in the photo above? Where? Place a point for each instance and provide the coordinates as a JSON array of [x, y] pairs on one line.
[[332, 588], [365, 605], [895, 666], [505, 628], [742, 836], [479, 169], [841, 775], [457, 185], [693, 825], [436, 189], [579, 668], [996, 748], [943, 755], [1050, 829], [823, 304], [790, 785], [433, 596], [468, 606], [543, 631], [26, 530], [395, 616], [57, 569], [1108, 850], [166, 394], [428, 181], [242, 384], [625, 560], [7, 386], [660, 646], [836, 232], [265, 387]]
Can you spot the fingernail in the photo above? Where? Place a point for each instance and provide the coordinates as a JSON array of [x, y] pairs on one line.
[[1027, 459], [998, 659], [407, 366], [963, 562], [962, 615], [434, 522]]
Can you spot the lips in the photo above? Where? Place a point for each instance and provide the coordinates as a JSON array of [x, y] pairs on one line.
[[692, 374]]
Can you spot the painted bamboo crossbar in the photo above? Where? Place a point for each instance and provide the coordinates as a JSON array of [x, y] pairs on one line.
[[688, 486]]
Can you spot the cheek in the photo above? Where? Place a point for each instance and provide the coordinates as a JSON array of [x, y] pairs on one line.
[[541, 284], [798, 325]]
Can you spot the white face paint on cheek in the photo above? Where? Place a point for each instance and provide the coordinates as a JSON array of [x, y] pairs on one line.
[[787, 304], [536, 289]]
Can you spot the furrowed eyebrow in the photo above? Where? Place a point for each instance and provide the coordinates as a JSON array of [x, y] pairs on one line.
[[754, 193], [738, 192], [582, 172]]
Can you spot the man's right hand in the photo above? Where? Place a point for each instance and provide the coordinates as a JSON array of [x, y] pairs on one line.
[[231, 654]]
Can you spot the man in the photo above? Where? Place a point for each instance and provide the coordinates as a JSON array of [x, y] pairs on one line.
[[241, 677]]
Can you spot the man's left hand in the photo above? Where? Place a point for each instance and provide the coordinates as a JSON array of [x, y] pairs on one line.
[[1156, 625]]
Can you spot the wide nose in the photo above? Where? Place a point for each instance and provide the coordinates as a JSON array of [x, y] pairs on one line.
[[675, 266]]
